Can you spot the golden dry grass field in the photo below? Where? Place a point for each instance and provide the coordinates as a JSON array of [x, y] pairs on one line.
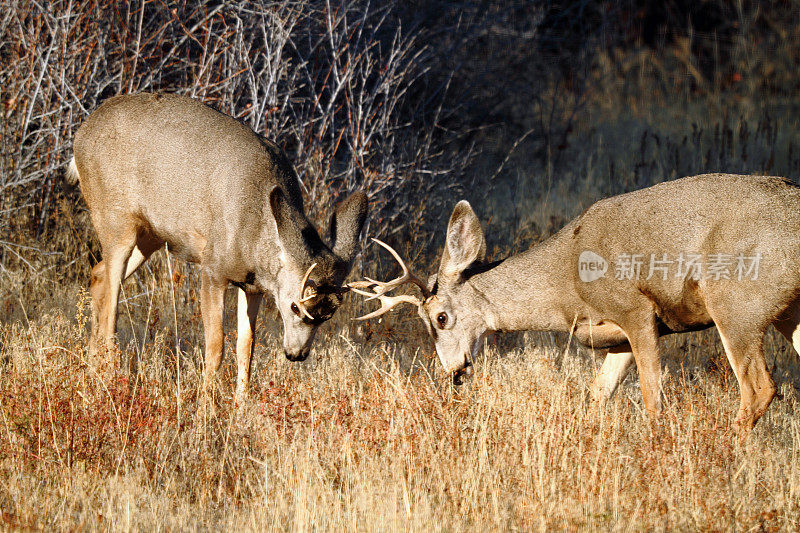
[[369, 434]]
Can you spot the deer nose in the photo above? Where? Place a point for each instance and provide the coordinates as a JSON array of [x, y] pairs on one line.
[[299, 356], [461, 375]]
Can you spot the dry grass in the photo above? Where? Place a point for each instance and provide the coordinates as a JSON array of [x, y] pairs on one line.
[[369, 435]]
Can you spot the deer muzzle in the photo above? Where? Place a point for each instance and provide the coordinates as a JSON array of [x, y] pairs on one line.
[[461, 375], [302, 355]]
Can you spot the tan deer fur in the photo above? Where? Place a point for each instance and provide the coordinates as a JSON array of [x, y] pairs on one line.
[[158, 169], [540, 289]]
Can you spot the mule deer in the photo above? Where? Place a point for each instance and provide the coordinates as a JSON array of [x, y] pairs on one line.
[[158, 169], [688, 254]]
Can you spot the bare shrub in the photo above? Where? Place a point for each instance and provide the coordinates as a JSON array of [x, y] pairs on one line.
[[330, 81]]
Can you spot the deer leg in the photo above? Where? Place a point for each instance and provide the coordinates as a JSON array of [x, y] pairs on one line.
[[99, 288], [247, 312], [98, 291], [115, 263], [644, 345], [212, 301], [616, 365], [745, 354]]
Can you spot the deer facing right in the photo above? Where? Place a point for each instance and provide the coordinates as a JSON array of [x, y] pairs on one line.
[[566, 283], [163, 169]]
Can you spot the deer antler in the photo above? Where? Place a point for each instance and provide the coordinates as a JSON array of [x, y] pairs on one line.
[[381, 288], [387, 303], [306, 295]]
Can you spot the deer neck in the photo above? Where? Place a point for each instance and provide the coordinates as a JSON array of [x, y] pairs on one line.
[[529, 291], [265, 257]]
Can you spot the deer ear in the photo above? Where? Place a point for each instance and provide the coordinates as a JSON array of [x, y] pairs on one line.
[[346, 224], [465, 244], [290, 234]]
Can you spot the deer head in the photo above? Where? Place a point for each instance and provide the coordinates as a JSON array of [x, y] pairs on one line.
[[310, 284], [451, 308]]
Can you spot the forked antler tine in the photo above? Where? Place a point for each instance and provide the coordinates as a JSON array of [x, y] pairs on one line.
[[369, 295], [305, 311], [303, 286], [365, 284], [377, 289], [388, 302], [303, 299], [381, 288], [407, 275]]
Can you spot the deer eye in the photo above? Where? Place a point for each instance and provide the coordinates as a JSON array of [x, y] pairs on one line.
[[441, 319], [295, 309]]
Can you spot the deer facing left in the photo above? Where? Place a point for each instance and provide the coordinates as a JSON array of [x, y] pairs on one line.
[[158, 169]]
